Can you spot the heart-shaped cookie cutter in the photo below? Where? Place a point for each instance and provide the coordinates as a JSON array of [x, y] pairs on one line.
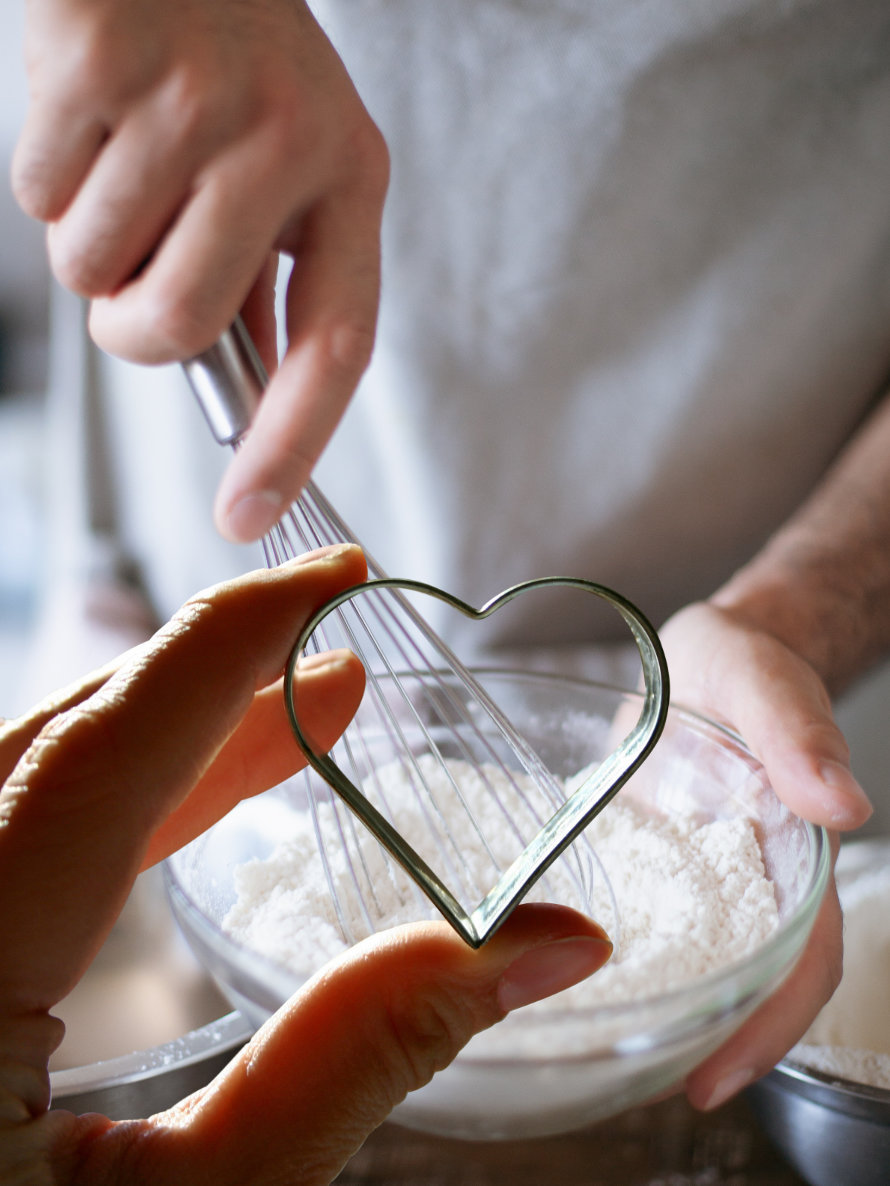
[[583, 804]]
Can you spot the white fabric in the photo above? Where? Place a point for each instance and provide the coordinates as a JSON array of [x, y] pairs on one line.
[[636, 286], [636, 296]]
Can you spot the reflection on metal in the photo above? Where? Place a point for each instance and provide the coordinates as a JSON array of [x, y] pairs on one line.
[[146, 1025]]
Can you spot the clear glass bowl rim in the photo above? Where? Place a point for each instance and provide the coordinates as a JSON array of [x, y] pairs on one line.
[[704, 989]]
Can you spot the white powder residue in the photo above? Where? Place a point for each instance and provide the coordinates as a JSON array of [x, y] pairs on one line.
[[845, 1062], [692, 897], [851, 1036]]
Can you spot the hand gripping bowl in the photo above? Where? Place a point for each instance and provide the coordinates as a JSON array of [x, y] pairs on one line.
[[559, 1068]]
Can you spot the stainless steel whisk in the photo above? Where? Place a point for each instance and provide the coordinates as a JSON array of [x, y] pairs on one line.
[[421, 704]]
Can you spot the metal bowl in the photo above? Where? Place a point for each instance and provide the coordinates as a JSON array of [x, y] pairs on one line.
[[146, 1026], [830, 1130], [148, 1081]]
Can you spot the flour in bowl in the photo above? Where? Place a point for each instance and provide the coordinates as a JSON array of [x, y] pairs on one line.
[[692, 897]]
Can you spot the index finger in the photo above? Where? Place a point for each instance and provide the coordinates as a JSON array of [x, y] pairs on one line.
[[332, 302], [82, 804]]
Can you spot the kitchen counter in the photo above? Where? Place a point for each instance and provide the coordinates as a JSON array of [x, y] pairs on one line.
[[665, 1144]]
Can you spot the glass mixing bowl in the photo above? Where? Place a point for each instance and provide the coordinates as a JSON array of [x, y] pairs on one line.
[[551, 1069]]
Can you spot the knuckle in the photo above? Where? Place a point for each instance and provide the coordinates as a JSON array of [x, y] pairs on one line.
[[205, 611], [31, 185], [95, 72], [371, 153], [293, 140], [824, 737], [285, 116], [76, 265], [197, 102], [425, 1032], [173, 325], [61, 773], [347, 345]]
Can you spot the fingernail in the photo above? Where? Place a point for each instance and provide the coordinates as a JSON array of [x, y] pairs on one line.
[[728, 1087], [545, 970], [324, 661], [330, 554], [253, 515], [853, 800]]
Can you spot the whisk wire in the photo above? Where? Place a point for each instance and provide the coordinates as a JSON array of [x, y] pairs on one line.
[[315, 523]]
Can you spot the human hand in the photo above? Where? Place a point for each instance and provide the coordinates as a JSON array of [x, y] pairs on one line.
[[749, 680], [118, 772], [175, 148]]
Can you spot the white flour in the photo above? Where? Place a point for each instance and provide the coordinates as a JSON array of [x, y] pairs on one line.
[[851, 1036], [692, 897]]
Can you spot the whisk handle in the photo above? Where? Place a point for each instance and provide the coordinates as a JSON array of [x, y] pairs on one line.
[[228, 381]]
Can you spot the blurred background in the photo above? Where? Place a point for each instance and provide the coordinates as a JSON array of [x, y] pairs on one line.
[[24, 299], [24, 336]]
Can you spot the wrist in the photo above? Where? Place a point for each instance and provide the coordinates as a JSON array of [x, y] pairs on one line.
[[819, 611]]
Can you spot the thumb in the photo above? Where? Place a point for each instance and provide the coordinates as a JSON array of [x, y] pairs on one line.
[[329, 1067]]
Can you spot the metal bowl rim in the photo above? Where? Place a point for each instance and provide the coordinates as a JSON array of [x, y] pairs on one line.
[[228, 1032], [833, 1091]]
